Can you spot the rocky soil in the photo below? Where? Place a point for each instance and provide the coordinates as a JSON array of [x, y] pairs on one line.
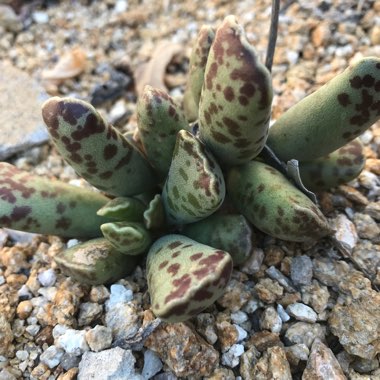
[[292, 311]]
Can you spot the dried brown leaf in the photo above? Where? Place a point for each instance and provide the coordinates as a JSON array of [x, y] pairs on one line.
[[69, 65], [153, 72]]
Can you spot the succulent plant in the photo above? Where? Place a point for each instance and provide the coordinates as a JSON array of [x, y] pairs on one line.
[[190, 196]]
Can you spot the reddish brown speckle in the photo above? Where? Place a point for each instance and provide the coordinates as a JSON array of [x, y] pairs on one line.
[[173, 269], [196, 256], [163, 264]]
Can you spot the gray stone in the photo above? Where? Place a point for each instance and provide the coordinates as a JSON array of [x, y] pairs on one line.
[[20, 112], [231, 358], [356, 322], [9, 19], [322, 364], [73, 342], [301, 270], [152, 364], [270, 320], [113, 364], [302, 312], [305, 333], [275, 274], [99, 338], [52, 356]]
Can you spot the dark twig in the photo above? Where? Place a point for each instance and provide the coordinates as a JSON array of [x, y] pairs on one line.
[[272, 34]]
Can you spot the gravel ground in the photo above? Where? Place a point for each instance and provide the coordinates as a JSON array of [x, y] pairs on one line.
[[307, 311]]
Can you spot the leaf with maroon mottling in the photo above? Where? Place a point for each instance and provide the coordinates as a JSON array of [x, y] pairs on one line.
[[96, 150], [185, 277], [274, 205], [195, 187], [154, 215], [197, 65], [159, 119], [231, 233], [333, 115], [95, 262], [127, 237], [123, 208], [35, 204], [334, 169], [235, 104]]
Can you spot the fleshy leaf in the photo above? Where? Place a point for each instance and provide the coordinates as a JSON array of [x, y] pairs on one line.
[[336, 168], [235, 105], [123, 208], [197, 65], [128, 238], [96, 150], [195, 186], [272, 204], [159, 120], [154, 215], [35, 204], [95, 262], [231, 233], [185, 277], [333, 115]]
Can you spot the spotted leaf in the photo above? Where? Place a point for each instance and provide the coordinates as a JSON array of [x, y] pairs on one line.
[[333, 115], [35, 204], [185, 277], [235, 104], [272, 204], [123, 208], [96, 150], [95, 262], [127, 237], [159, 119], [195, 186], [197, 65], [154, 215], [338, 167], [229, 232]]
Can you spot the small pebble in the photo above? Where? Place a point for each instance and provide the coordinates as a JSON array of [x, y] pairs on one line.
[[40, 17], [301, 270], [119, 294], [242, 334], [24, 308], [47, 278], [239, 317], [73, 342], [99, 338], [52, 356], [152, 364], [302, 312], [282, 313], [231, 357], [270, 320]]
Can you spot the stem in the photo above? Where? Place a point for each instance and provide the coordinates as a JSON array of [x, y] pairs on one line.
[[272, 34]]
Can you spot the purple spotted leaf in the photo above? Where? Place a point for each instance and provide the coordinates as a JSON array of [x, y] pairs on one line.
[[333, 115], [274, 205], [229, 232], [235, 104], [123, 208], [197, 65], [159, 119], [154, 215], [35, 204], [334, 169], [195, 185], [127, 237], [185, 277], [95, 262], [96, 150]]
